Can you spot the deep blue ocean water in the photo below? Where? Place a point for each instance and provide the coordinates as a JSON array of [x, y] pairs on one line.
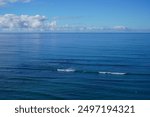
[[74, 66]]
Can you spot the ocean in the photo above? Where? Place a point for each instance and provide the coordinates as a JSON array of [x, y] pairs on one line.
[[74, 66]]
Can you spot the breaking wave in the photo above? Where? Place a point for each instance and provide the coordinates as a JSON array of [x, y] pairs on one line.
[[112, 73], [66, 70], [101, 72]]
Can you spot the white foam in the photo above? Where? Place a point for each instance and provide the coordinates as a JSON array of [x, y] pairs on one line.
[[113, 73], [66, 70]]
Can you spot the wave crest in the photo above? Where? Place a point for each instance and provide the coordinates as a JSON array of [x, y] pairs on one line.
[[112, 73], [66, 70]]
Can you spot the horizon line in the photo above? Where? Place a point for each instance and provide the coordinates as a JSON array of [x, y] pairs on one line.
[[71, 32]]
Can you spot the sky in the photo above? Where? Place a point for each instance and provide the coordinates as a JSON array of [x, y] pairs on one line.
[[75, 15]]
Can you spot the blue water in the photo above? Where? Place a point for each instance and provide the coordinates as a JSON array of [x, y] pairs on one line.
[[75, 66]]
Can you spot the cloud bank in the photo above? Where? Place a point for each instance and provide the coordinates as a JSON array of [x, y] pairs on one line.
[[120, 28], [4, 2], [38, 23], [86, 28], [12, 22]]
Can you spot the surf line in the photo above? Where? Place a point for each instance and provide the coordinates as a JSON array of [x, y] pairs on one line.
[[81, 71]]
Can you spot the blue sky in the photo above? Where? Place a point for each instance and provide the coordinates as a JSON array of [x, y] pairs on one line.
[[97, 14]]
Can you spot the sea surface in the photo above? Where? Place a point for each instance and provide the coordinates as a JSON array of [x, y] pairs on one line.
[[62, 66]]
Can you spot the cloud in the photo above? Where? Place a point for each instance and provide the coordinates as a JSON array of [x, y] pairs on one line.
[[86, 28], [12, 22], [4, 2], [52, 25], [38, 23], [120, 28]]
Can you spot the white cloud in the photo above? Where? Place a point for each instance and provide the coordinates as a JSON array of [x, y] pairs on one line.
[[120, 28], [24, 23], [4, 2], [52, 25], [86, 28], [12, 22]]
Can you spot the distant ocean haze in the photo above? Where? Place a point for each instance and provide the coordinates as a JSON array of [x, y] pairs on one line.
[[75, 66]]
